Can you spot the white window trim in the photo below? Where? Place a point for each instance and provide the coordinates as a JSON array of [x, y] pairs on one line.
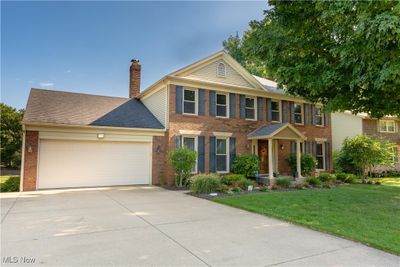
[[218, 74], [396, 156], [323, 157], [280, 109], [196, 99], [301, 113], [386, 126], [195, 149], [255, 108], [227, 153], [322, 117], [227, 105]]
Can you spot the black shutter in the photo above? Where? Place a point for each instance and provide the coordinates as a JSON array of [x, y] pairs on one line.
[[306, 115], [292, 147], [232, 105], [178, 141], [232, 151], [242, 104], [213, 106], [178, 99], [200, 153], [212, 167], [328, 156], [292, 111], [202, 101], [285, 111], [326, 118], [313, 114], [260, 114], [269, 109]]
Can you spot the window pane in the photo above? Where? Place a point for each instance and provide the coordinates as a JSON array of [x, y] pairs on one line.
[[318, 111], [188, 142], [297, 108], [319, 120], [297, 118], [391, 126], [275, 105], [319, 149], [221, 146], [249, 102], [221, 111], [188, 107], [275, 116], [249, 113], [221, 99], [221, 163], [320, 164], [189, 95]]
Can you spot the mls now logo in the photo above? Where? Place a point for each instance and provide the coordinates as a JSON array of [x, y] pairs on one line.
[[11, 260]]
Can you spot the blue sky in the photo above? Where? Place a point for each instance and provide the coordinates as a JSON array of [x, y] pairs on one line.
[[87, 46]]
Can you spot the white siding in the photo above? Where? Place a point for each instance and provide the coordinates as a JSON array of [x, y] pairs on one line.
[[344, 125], [157, 104], [209, 73]]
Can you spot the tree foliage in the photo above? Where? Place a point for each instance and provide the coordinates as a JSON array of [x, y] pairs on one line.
[[345, 54], [10, 136], [183, 160], [362, 153]]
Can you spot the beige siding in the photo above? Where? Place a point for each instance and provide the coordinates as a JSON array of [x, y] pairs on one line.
[[344, 125], [209, 73], [157, 104]]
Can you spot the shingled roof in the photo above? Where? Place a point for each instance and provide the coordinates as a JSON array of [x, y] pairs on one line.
[[65, 108]]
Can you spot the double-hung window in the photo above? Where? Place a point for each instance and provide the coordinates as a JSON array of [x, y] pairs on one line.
[[387, 126], [189, 101], [320, 156], [298, 113], [222, 105], [250, 108], [221, 154], [319, 116], [190, 142], [396, 155], [276, 110]]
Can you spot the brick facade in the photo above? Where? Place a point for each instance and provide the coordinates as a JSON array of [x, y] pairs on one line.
[[30, 160], [159, 160], [239, 128]]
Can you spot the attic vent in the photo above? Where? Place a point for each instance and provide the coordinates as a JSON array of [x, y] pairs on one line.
[[221, 72]]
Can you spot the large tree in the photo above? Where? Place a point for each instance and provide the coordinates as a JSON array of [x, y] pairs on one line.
[[10, 136], [345, 54]]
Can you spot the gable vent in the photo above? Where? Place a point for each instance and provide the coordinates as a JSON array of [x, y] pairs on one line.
[[221, 70]]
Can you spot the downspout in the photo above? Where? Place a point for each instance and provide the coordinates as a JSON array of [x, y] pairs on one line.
[[21, 176]]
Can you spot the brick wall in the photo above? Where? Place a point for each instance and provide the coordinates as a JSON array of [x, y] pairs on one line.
[[370, 128], [30, 160], [240, 128], [159, 160]]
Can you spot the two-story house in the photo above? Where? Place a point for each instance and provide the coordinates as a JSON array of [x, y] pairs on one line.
[[348, 125], [213, 106]]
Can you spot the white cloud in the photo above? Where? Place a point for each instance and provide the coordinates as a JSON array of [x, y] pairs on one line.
[[46, 84]]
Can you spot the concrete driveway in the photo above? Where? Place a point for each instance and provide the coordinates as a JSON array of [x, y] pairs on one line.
[[143, 226]]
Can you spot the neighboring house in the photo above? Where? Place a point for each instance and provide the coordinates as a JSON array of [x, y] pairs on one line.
[[347, 125], [214, 107]]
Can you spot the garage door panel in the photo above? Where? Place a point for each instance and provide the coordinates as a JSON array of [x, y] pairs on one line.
[[82, 163]]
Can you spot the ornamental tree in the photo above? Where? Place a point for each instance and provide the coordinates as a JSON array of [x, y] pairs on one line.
[[183, 160]]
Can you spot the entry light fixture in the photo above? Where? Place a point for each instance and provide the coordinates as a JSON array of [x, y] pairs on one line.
[[282, 147], [100, 136]]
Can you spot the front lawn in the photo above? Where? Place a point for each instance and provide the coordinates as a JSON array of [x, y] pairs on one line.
[[366, 213], [9, 183]]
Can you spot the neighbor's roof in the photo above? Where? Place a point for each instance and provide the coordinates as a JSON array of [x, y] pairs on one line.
[[65, 108], [269, 85]]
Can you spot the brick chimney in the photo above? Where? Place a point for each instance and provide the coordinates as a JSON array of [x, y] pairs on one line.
[[134, 78]]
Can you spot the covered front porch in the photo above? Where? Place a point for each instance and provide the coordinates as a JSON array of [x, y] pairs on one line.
[[273, 144]]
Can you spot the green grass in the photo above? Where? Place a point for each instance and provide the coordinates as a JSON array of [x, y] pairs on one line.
[[366, 213], [9, 183]]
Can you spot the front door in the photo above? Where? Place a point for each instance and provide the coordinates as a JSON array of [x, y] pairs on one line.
[[263, 155]]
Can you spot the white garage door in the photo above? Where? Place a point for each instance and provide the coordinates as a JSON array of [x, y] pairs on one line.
[[85, 163]]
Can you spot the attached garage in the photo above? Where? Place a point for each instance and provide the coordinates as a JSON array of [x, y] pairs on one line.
[[66, 163]]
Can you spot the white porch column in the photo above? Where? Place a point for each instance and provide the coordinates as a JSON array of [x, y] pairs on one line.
[[298, 158], [270, 159]]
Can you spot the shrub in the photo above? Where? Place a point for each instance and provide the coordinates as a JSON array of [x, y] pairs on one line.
[[245, 183], [264, 188], [283, 182], [314, 181], [231, 178], [11, 184], [341, 176], [246, 164], [308, 164], [327, 178], [183, 160], [205, 183], [352, 178], [237, 189]]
